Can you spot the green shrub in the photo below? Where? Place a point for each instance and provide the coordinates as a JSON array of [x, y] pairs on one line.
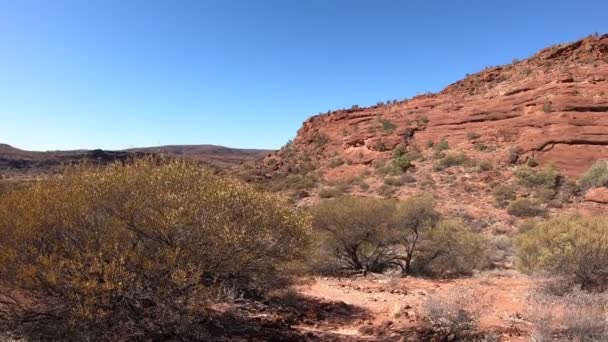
[[387, 125], [596, 175], [525, 208], [137, 251], [451, 160], [504, 193], [571, 246], [402, 163], [442, 145], [531, 178]]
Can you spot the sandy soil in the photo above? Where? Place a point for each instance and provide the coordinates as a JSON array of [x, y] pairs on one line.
[[393, 309]]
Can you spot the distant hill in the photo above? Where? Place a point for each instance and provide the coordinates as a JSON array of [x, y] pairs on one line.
[[17, 163], [219, 156]]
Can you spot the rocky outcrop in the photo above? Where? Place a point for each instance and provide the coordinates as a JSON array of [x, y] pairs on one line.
[[552, 107], [597, 195]]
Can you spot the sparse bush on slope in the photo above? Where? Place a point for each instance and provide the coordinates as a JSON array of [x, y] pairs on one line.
[[137, 250], [504, 193], [525, 208], [531, 178], [571, 246], [596, 176]]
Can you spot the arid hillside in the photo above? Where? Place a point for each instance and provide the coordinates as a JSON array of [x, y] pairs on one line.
[[548, 111]]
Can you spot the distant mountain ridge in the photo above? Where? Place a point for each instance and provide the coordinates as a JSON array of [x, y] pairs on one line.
[[219, 156], [21, 162]]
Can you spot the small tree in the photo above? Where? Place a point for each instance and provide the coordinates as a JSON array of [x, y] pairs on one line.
[[415, 216], [571, 246], [356, 232]]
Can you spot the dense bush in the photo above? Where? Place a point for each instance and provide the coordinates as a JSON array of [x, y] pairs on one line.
[[531, 178], [571, 246], [134, 251], [596, 176], [525, 208], [450, 248]]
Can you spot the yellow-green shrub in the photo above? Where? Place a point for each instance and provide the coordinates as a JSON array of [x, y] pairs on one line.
[[597, 175], [572, 246], [450, 248], [134, 249]]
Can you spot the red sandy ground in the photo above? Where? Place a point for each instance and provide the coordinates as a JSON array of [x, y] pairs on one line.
[[382, 298]]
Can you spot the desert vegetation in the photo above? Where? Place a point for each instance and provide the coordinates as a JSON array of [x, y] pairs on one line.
[[139, 250], [572, 246], [377, 235], [596, 176]]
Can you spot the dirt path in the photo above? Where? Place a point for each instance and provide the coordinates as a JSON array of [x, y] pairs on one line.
[[391, 308]]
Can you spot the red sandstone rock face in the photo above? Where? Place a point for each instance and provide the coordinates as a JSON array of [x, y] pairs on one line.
[[552, 107], [597, 195]]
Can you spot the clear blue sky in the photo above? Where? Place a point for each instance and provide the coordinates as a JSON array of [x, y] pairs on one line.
[[121, 73]]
